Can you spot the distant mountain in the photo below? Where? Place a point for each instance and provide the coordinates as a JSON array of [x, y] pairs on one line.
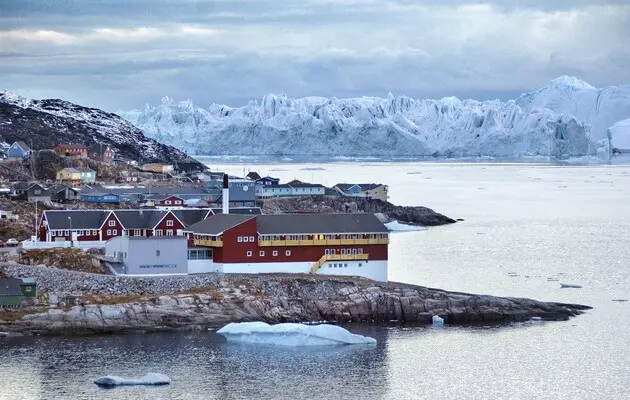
[[552, 121], [44, 123]]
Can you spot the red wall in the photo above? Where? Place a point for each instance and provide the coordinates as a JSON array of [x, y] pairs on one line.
[[116, 226], [163, 224], [175, 201], [235, 252]]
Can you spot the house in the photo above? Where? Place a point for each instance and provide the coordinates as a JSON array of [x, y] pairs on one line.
[[63, 194], [106, 155], [158, 168], [100, 197], [242, 192], [95, 227], [88, 175], [19, 149], [332, 244], [157, 255], [16, 292], [293, 188], [71, 150], [268, 180], [253, 176], [30, 191], [160, 200], [69, 176], [368, 190]]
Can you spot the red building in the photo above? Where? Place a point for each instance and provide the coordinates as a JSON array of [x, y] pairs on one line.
[[107, 155], [71, 150], [164, 201], [334, 244]]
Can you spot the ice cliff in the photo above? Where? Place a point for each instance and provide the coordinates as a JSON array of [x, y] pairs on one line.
[[566, 118]]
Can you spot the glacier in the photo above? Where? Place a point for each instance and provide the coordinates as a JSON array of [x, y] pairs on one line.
[[291, 334], [566, 118]]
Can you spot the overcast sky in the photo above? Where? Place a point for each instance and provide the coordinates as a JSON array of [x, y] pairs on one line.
[[121, 54]]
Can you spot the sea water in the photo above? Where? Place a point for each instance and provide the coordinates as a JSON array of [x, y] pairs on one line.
[[527, 229]]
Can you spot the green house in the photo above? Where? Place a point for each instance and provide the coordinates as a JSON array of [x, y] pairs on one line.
[[13, 292]]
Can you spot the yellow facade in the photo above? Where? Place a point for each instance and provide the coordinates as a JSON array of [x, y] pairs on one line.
[[68, 175], [379, 192]]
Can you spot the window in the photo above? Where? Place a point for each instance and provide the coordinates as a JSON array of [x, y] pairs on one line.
[[169, 222], [169, 232], [343, 251], [157, 253], [245, 239], [239, 239], [125, 254], [109, 232], [261, 253], [66, 233], [251, 239], [178, 202], [158, 232], [360, 251], [53, 233], [136, 232], [249, 254], [354, 251], [275, 253], [94, 233], [287, 253], [167, 202], [112, 223], [114, 232], [327, 251], [345, 265], [360, 264]]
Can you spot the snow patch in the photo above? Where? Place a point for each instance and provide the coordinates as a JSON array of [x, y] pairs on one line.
[[290, 334], [151, 378]]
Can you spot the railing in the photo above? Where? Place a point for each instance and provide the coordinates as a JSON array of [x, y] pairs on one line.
[[322, 242], [208, 243], [336, 257]]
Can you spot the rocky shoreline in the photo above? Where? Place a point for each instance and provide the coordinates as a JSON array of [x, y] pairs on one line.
[[112, 304], [416, 215]]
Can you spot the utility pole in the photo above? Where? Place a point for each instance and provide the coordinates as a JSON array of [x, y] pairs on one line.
[[36, 236]]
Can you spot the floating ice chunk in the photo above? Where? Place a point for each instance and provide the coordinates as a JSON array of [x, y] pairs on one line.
[[570, 285], [151, 378], [437, 320], [291, 334], [396, 226]]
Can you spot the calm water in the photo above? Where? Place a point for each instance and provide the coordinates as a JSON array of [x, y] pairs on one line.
[[526, 225]]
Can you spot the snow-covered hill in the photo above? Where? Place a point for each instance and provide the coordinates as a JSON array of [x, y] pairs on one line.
[[537, 123], [44, 123]]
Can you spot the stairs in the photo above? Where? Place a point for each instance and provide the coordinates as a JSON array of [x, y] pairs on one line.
[[337, 257]]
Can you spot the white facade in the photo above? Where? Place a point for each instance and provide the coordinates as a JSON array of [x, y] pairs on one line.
[[155, 255]]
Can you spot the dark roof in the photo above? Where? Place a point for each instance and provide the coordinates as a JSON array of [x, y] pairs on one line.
[[191, 216], [282, 185], [319, 223], [253, 175], [240, 210], [84, 169], [140, 219], [59, 188], [23, 145], [10, 287], [217, 224], [83, 219], [303, 184], [99, 194]]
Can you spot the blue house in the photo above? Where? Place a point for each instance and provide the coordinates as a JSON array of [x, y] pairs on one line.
[[19, 149], [100, 197]]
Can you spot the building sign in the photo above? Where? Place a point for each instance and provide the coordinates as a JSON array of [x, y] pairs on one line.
[[159, 266]]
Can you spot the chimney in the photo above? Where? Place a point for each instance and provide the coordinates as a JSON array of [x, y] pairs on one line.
[[226, 195]]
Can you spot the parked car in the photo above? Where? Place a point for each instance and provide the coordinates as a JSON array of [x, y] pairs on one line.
[[12, 242]]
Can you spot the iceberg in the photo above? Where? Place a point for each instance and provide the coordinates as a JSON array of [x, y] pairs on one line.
[[620, 136], [566, 118], [437, 320], [396, 226], [290, 334], [570, 286], [151, 378]]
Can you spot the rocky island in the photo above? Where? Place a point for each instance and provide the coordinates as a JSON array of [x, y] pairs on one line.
[[110, 304]]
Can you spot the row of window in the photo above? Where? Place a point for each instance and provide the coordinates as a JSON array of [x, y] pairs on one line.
[[169, 202], [273, 253], [324, 237], [245, 239], [79, 233], [342, 265], [113, 223], [199, 254], [160, 232], [343, 251]]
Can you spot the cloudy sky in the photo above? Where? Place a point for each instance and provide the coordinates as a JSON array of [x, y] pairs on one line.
[[121, 54]]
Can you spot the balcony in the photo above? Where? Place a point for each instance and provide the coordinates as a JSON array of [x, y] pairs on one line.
[[322, 242], [336, 257], [208, 243]]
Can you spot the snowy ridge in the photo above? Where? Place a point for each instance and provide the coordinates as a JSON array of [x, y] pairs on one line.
[[43, 123], [536, 124]]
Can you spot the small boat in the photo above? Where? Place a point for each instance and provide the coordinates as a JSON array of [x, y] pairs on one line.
[[570, 285]]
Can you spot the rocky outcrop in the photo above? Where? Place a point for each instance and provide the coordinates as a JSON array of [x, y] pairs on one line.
[[112, 304], [335, 203]]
